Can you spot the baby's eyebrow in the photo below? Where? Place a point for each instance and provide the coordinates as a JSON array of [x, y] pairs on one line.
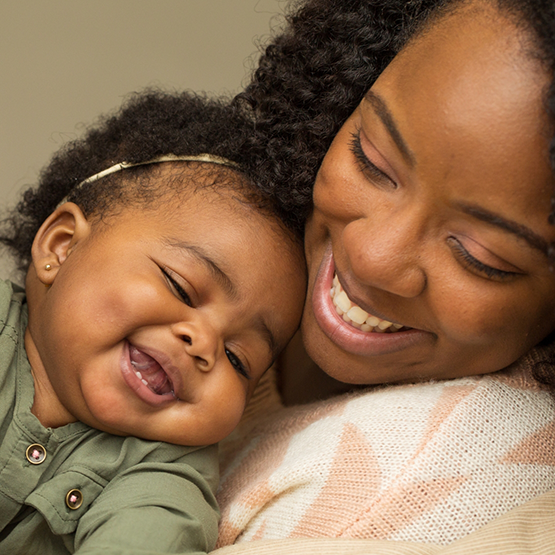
[[202, 256]]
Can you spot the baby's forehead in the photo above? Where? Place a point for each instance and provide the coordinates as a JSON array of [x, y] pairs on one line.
[[189, 178], [212, 181], [232, 192]]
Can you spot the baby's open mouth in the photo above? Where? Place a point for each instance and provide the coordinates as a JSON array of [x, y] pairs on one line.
[[150, 372], [358, 317]]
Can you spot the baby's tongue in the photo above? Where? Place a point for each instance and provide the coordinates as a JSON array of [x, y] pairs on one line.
[[150, 371]]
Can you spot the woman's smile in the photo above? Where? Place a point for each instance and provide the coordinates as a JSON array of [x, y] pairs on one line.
[[358, 317], [353, 328]]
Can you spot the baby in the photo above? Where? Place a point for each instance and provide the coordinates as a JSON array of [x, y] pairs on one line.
[[160, 285]]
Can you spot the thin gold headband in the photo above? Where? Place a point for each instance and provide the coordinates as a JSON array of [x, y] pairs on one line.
[[209, 158]]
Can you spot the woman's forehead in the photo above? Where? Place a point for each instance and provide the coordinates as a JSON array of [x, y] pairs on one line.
[[467, 94], [470, 46]]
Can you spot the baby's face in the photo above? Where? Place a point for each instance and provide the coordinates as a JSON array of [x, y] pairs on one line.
[[161, 321]]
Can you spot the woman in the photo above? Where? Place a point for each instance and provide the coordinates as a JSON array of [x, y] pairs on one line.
[[429, 255]]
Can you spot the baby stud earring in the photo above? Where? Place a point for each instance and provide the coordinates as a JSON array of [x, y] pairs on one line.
[[48, 267]]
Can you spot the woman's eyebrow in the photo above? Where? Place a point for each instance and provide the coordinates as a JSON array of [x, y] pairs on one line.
[[521, 231], [382, 111]]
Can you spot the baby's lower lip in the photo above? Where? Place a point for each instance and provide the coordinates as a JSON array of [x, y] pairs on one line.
[[342, 333]]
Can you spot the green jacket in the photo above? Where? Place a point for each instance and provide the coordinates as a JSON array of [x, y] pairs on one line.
[[75, 489]]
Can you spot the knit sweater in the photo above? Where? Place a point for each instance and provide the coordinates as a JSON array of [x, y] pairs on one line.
[[428, 462]]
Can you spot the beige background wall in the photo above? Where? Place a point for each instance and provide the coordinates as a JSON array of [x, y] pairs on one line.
[[63, 62]]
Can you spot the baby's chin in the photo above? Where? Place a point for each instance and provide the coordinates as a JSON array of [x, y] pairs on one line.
[[169, 433]]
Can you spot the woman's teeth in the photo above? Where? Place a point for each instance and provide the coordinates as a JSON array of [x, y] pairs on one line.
[[356, 316]]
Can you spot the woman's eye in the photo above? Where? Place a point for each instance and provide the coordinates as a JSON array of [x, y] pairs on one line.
[[367, 167], [237, 364], [179, 291], [475, 265]]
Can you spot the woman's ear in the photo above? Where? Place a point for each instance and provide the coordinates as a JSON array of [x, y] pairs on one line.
[[56, 238]]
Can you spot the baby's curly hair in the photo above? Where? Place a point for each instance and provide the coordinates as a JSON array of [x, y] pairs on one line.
[[149, 124], [312, 76]]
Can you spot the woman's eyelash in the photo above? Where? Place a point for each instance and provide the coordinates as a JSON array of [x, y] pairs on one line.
[[237, 364], [178, 289], [364, 163], [469, 260]]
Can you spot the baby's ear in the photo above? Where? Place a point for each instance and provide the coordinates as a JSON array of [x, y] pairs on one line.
[[55, 239]]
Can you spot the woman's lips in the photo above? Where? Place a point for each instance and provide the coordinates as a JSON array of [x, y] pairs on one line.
[[343, 334], [146, 377]]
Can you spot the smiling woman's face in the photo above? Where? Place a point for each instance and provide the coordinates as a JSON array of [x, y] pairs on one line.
[[431, 213]]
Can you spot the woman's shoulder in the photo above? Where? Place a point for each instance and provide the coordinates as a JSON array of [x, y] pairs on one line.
[[424, 404], [394, 461]]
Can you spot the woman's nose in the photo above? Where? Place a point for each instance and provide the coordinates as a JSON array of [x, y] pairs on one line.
[[386, 255], [200, 341]]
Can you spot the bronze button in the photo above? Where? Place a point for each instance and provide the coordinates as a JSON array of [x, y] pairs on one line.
[[74, 499], [36, 453]]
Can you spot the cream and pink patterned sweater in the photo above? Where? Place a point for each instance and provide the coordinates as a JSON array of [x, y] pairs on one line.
[[428, 463]]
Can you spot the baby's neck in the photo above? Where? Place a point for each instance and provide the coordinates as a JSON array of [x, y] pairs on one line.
[[47, 407]]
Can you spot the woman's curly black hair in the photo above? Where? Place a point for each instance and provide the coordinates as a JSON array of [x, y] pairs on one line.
[[149, 124], [312, 76]]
